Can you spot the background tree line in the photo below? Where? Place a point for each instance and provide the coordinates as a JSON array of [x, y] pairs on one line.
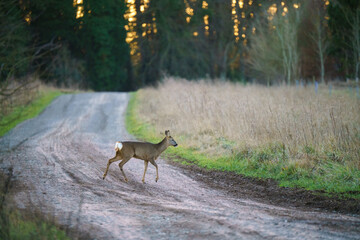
[[121, 45]]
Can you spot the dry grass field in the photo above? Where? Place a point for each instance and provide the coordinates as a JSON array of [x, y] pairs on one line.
[[266, 124]]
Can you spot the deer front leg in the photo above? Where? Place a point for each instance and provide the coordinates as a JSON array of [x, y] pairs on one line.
[[121, 164], [146, 165], [157, 172]]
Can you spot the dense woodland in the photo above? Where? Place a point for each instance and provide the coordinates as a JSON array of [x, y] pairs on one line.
[[122, 45]]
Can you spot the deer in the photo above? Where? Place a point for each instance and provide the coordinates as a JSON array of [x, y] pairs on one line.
[[148, 152]]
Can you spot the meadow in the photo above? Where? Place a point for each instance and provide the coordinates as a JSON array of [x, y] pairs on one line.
[[288, 133]]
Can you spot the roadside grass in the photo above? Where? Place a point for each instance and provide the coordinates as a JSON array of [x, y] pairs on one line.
[[14, 225], [324, 158], [31, 110]]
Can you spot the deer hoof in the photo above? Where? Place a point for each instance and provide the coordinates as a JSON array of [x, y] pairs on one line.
[[104, 177]]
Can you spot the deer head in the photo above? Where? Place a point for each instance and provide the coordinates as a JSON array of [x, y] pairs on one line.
[[170, 139]]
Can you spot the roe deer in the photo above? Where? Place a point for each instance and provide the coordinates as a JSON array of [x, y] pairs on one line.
[[146, 151]]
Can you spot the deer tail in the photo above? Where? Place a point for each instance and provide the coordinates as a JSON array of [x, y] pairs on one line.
[[118, 146]]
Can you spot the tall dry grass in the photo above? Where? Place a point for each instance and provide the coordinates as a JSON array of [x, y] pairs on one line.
[[21, 92], [220, 118], [14, 93]]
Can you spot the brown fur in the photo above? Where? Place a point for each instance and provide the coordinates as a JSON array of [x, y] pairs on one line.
[[146, 151]]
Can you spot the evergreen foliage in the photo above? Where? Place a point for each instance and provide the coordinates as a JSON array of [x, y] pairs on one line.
[[14, 41], [90, 50], [104, 48], [344, 24], [118, 45]]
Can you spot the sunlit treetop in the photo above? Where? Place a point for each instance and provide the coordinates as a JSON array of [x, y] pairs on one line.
[[78, 4], [241, 13]]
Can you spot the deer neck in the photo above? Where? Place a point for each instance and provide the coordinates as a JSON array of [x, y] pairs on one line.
[[162, 146]]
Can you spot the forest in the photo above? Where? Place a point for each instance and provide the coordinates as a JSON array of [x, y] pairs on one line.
[[123, 45]]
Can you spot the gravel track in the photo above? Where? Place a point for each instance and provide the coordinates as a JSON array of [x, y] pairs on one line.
[[58, 160]]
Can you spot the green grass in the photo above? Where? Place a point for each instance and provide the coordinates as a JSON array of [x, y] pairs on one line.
[[14, 227], [22, 113], [272, 161]]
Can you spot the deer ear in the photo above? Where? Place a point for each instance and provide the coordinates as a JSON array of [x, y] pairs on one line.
[[167, 133]]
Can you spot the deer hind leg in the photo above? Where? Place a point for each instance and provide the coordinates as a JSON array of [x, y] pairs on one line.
[[157, 172], [146, 165], [121, 164], [111, 160]]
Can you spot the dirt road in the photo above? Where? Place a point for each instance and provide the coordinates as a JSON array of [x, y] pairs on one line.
[[58, 160]]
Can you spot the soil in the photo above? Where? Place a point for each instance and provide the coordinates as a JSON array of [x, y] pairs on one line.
[[55, 164], [268, 191]]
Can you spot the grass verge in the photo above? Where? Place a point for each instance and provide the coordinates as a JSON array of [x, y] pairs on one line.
[[22, 113], [13, 225], [328, 176]]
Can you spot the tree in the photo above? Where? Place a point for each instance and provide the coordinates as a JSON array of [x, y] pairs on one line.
[[286, 28], [264, 53], [191, 39], [274, 51], [52, 23], [345, 27], [16, 56], [92, 39], [102, 35], [14, 41], [179, 42], [320, 35], [223, 47]]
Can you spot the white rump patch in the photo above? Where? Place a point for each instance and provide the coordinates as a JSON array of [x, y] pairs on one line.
[[118, 146]]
